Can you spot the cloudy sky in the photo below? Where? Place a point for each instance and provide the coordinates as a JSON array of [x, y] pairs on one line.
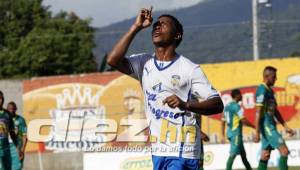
[[105, 12]]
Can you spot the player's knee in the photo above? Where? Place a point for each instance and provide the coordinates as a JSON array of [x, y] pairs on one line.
[[284, 151]]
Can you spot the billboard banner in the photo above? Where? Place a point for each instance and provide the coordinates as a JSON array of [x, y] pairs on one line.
[[213, 158], [74, 106]]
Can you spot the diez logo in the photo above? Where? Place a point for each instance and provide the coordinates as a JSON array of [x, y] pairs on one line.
[[79, 118], [73, 119]]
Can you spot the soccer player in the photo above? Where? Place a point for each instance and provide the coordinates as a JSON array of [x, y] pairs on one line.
[[168, 79], [234, 118], [266, 114], [6, 128], [21, 132]]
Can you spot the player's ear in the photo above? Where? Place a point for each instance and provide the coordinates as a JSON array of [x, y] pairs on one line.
[[178, 36]]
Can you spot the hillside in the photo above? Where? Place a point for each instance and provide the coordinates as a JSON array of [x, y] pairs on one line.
[[220, 30]]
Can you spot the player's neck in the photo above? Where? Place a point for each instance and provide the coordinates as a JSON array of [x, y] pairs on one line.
[[165, 53], [235, 100], [267, 84]]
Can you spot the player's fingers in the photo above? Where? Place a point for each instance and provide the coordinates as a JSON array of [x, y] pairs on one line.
[[165, 100], [173, 103]]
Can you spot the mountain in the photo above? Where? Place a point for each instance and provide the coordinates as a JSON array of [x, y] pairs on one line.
[[219, 31]]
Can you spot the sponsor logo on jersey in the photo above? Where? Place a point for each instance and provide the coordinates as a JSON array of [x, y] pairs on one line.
[[175, 80], [157, 88]]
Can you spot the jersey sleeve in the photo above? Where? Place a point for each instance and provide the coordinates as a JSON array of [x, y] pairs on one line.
[[240, 112], [23, 126], [260, 95], [136, 63], [200, 85]]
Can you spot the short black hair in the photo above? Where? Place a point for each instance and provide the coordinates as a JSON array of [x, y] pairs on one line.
[[12, 103], [270, 68], [235, 92], [1, 93], [178, 26]]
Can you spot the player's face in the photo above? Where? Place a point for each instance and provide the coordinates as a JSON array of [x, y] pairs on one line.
[[11, 108], [164, 32], [1, 100], [271, 78], [239, 97]]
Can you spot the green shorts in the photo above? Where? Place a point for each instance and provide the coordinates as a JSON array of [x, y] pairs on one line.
[[5, 159], [16, 164], [271, 139], [236, 144]]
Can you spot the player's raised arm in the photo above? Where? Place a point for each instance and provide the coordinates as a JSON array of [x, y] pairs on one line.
[[116, 57]]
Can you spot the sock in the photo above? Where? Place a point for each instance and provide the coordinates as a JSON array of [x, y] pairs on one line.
[[283, 163], [246, 163], [262, 165], [230, 162]]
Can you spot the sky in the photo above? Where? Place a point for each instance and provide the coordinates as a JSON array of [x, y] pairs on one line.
[[105, 12]]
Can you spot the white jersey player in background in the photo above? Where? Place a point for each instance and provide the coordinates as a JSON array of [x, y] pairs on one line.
[[168, 80]]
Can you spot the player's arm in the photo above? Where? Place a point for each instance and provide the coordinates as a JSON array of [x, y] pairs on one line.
[[258, 119], [22, 151], [201, 88], [207, 107], [247, 123], [14, 138], [260, 98], [204, 136], [283, 123], [116, 57], [24, 139], [12, 133]]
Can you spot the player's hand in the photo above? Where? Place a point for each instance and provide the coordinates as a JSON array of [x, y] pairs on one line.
[[144, 18], [21, 155], [256, 138], [290, 131], [174, 101], [204, 137]]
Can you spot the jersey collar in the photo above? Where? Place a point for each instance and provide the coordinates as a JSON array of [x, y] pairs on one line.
[[165, 67], [267, 87]]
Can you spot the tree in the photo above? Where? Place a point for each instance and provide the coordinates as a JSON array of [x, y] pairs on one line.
[[35, 43]]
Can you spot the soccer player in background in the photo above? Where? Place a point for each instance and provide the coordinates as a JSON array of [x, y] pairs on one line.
[[6, 129], [21, 132], [168, 79], [266, 116], [234, 118]]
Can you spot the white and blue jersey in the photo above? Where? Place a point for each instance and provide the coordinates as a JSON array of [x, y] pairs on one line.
[[182, 78]]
